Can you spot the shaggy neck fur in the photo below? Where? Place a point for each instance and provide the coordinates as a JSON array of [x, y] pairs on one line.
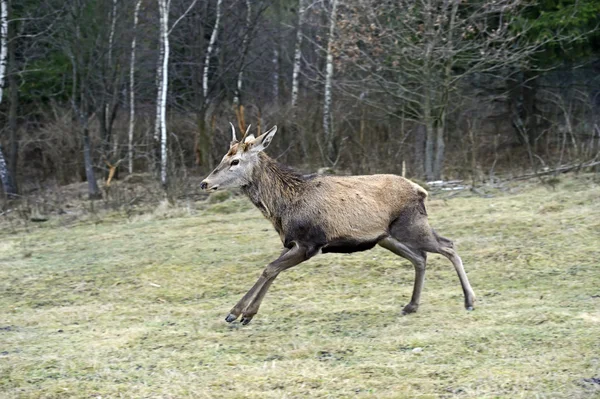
[[273, 186]]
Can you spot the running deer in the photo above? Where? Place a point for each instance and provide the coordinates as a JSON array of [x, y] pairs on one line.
[[320, 214]]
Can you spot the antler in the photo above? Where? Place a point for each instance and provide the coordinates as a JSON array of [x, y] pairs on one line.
[[233, 138], [245, 134]]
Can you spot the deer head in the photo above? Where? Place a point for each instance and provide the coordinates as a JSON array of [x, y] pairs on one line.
[[236, 167]]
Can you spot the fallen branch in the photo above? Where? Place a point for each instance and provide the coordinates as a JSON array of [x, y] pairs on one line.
[[561, 169]]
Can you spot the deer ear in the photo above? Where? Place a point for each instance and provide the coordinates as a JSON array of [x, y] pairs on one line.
[[263, 141]]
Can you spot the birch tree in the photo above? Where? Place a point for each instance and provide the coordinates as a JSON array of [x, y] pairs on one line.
[[327, 129], [132, 89], [245, 47], [111, 35], [163, 6], [5, 174], [159, 80], [204, 139], [161, 117], [297, 54], [209, 51]]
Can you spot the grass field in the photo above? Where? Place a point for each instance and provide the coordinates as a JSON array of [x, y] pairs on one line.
[[134, 308]]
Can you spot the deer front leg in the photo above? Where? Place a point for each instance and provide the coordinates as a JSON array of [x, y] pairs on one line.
[[249, 304]]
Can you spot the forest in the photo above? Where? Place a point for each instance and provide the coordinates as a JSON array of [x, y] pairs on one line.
[[118, 271], [93, 91]]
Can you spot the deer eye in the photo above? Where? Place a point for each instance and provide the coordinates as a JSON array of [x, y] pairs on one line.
[[235, 162]]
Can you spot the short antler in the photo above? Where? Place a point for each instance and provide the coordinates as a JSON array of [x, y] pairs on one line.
[[233, 138], [245, 134]]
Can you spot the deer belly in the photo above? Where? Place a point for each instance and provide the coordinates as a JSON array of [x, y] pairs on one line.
[[341, 234], [349, 245]]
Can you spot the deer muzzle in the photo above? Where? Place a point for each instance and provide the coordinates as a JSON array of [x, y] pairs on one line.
[[205, 185]]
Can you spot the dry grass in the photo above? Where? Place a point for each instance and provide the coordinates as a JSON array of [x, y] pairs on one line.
[[135, 308]]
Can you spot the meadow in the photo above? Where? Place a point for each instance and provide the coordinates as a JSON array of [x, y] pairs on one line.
[[120, 307]]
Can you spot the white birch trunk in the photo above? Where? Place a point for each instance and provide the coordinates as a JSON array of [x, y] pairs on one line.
[[164, 33], [4, 172], [240, 79], [209, 51], [328, 78], [297, 54], [159, 70], [111, 36], [132, 88], [3, 45]]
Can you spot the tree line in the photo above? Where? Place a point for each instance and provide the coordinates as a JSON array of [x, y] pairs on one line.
[[92, 89]]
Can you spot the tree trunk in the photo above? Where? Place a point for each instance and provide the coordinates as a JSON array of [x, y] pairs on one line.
[[278, 82], [3, 43], [5, 174], [445, 95], [113, 21], [327, 129], [419, 164], [132, 89], [93, 191], [529, 109], [297, 54], [209, 51], [439, 151], [5, 177], [245, 47], [429, 122], [14, 105], [79, 99], [159, 70], [200, 145], [107, 111], [101, 116], [12, 125], [164, 32], [204, 141]]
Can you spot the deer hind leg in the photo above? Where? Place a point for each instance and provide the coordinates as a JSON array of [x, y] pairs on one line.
[[249, 304], [446, 248], [413, 231], [418, 259]]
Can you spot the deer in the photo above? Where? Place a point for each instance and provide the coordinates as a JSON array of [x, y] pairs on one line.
[[319, 214]]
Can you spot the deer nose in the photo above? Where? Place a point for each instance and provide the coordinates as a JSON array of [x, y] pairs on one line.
[[204, 185]]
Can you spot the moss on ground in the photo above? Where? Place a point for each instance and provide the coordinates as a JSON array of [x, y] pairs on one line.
[[135, 308]]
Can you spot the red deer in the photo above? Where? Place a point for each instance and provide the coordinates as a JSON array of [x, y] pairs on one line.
[[320, 214]]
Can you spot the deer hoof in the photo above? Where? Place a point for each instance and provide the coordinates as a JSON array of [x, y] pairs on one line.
[[230, 317], [469, 308], [246, 319], [410, 308]]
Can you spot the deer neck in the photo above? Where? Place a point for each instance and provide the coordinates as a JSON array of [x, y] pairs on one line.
[[273, 187]]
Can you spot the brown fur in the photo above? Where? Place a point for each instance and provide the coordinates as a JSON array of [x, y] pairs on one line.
[[314, 214], [357, 207]]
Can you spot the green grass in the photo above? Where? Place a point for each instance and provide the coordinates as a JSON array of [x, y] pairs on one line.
[[135, 308]]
